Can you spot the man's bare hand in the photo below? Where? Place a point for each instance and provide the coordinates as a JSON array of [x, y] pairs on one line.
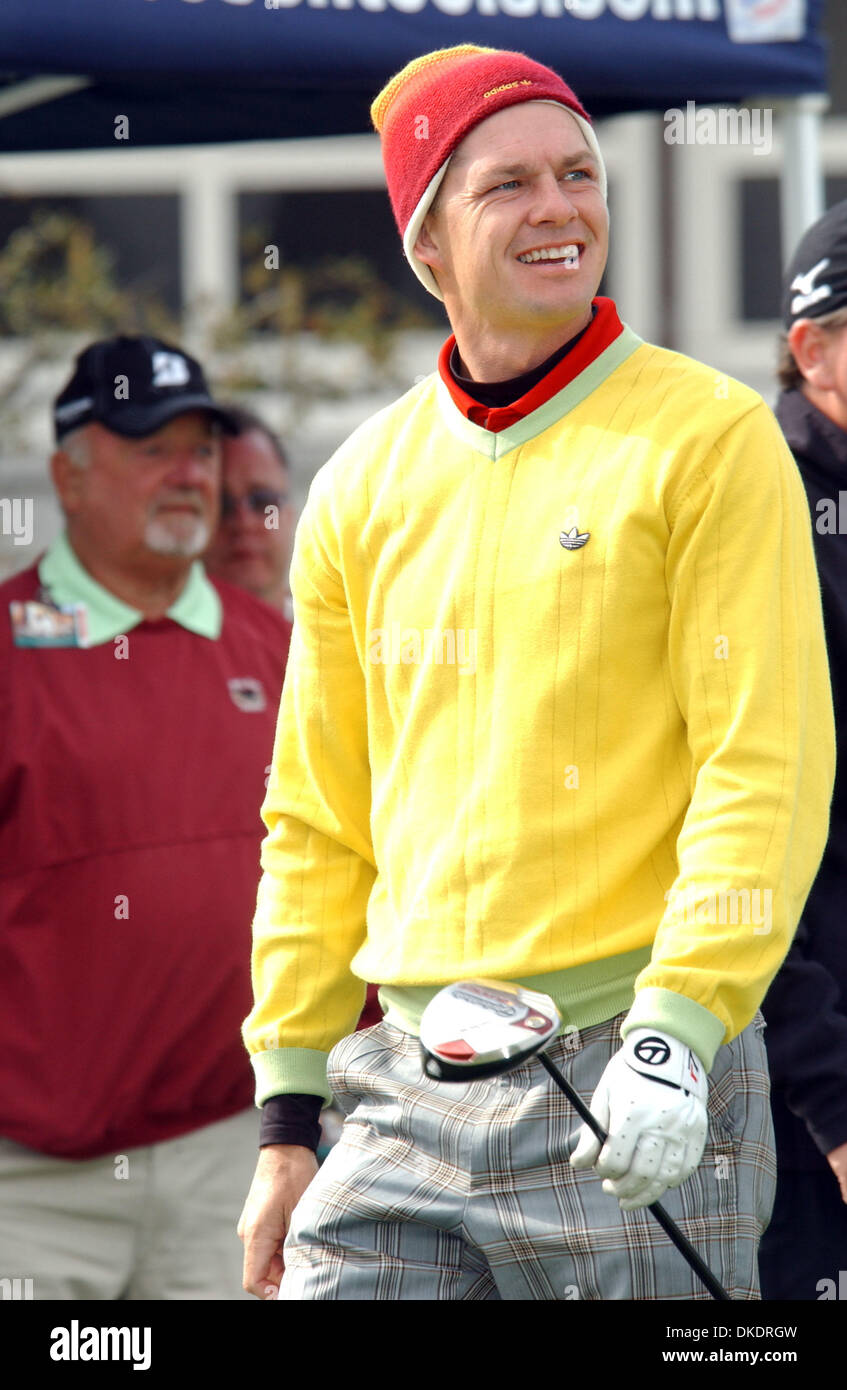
[[837, 1160], [282, 1175]]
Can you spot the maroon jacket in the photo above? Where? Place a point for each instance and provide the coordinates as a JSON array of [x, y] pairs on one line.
[[129, 860]]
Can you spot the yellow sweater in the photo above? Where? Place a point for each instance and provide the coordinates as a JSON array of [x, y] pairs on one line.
[[557, 709]]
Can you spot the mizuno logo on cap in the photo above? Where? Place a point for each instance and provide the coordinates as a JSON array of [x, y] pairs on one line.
[[806, 285]]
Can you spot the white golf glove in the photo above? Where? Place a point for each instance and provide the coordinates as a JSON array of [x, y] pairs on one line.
[[651, 1100]]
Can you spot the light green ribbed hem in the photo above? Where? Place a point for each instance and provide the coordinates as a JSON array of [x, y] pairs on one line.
[[584, 994], [282, 1070], [681, 1017]]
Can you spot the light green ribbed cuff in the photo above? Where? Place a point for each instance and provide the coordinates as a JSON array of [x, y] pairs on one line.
[[682, 1018], [282, 1070]]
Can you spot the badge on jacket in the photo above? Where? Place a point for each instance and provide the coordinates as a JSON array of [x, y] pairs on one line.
[[247, 694], [37, 624]]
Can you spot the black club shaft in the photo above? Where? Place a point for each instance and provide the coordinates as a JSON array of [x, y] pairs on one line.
[[666, 1222]]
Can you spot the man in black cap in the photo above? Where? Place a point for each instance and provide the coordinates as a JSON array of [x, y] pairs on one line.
[[804, 1252], [138, 703]]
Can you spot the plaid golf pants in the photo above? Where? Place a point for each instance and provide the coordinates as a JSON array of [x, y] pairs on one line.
[[444, 1191]]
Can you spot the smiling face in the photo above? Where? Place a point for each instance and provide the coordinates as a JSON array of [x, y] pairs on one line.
[[141, 504], [517, 238]]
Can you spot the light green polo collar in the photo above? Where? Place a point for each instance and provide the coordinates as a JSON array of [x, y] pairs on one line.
[[198, 607]]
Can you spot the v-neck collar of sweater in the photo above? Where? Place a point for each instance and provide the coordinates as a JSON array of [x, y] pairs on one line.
[[567, 363]]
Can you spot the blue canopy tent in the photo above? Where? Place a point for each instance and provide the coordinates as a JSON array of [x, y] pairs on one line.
[[187, 71]]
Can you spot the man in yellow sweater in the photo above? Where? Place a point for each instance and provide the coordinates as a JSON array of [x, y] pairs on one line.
[[557, 710]]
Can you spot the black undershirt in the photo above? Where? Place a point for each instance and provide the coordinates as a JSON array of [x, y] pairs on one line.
[[291, 1119], [294, 1118], [499, 393]]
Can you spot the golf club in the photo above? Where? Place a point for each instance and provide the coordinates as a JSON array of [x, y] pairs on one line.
[[479, 1028]]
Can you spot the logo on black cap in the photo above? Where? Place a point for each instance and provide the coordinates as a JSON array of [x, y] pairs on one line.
[[809, 292]]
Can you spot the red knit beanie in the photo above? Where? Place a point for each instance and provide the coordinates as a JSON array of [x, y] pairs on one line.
[[428, 108]]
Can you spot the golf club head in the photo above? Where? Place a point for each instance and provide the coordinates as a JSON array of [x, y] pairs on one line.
[[479, 1028]]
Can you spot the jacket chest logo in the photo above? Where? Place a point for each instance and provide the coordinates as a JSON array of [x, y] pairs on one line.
[[573, 539], [247, 694]]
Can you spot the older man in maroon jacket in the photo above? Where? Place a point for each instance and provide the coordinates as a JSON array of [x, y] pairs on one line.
[[137, 700]]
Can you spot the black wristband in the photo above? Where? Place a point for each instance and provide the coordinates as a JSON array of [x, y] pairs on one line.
[[291, 1119]]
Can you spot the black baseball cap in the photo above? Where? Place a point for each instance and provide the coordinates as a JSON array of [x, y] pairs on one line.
[[816, 280], [133, 386]]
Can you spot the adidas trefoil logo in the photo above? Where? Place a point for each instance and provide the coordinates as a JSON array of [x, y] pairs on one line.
[[573, 539]]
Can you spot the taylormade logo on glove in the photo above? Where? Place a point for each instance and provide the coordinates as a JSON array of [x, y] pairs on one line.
[[652, 1101]]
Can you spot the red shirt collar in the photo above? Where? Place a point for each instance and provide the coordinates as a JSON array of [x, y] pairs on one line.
[[601, 332]]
